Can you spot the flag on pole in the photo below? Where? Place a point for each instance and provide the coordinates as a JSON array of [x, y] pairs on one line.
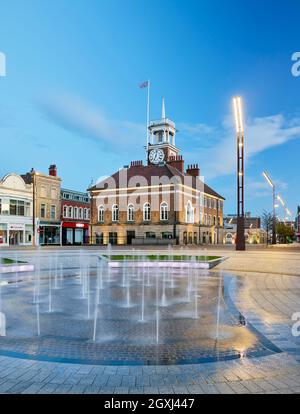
[[144, 85]]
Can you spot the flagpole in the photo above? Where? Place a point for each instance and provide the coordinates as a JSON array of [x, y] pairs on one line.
[[148, 114]]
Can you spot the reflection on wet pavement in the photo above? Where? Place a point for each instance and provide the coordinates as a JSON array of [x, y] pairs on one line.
[[127, 316]]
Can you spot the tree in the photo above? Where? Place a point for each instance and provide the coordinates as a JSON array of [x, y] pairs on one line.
[[285, 233], [267, 222]]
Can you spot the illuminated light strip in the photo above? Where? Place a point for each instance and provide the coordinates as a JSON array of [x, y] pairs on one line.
[[163, 264], [16, 268], [237, 105], [268, 179], [281, 200], [288, 212]]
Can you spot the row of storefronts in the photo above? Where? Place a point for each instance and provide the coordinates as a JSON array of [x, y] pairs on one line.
[[64, 233], [34, 210], [20, 234]]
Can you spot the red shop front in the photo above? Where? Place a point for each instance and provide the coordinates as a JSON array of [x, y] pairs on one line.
[[75, 233]]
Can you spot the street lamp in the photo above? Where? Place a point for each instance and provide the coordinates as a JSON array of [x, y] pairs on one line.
[[238, 115], [288, 212], [33, 208], [270, 182], [281, 200]]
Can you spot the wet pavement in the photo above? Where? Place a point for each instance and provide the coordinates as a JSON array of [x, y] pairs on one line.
[[250, 350]]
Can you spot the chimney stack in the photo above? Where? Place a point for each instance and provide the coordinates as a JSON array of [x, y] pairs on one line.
[[193, 170], [136, 163], [53, 170], [176, 161]]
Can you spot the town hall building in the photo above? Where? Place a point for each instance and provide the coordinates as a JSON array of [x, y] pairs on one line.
[[157, 203]]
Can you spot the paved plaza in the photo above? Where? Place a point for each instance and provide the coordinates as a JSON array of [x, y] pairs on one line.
[[266, 291]]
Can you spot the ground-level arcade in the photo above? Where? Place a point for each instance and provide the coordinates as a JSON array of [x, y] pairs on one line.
[[181, 234]]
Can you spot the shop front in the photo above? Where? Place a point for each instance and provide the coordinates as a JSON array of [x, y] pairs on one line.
[[15, 234], [49, 233], [74, 233]]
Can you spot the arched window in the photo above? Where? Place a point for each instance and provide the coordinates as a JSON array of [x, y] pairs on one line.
[[147, 212], [70, 212], [189, 213], [80, 213], [65, 213], [85, 214], [76, 212], [115, 212], [101, 214], [130, 212], [164, 213]]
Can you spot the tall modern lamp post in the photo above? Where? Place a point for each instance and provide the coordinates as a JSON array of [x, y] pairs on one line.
[[238, 115], [33, 208], [288, 212], [270, 182]]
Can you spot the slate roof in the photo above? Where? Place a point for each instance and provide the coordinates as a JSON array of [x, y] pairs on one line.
[[149, 171]]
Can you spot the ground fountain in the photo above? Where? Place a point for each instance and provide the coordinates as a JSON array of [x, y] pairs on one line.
[[148, 309]]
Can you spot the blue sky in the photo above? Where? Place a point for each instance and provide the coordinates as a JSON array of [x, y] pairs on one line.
[[71, 93]]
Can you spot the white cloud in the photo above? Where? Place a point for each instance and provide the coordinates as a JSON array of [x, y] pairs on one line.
[[72, 113], [261, 134], [212, 147]]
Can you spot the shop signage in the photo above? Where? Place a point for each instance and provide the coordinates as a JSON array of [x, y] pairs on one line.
[[73, 225], [16, 227]]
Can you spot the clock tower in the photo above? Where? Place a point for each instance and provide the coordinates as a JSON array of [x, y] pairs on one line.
[[162, 139]]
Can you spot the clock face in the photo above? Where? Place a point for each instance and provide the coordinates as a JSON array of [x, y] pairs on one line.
[[156, 156]]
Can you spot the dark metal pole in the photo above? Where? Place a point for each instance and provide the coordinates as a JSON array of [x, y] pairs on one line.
[[274, 218], [218, 221], [91, 218], [33, 210], [175, 215], [240, 233]]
